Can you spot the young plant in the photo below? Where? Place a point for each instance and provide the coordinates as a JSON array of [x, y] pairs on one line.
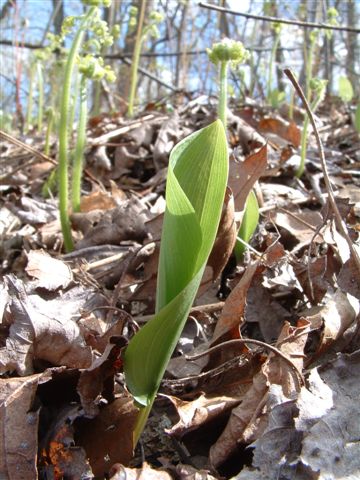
[[28, 121], [248, 226], [50, 123], [317, 88], [223, 53], [273, 95], [142, 32], [90, 68], [195, 190], [90, 19]]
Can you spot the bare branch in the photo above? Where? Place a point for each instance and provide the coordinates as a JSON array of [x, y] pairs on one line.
[[280, 20]]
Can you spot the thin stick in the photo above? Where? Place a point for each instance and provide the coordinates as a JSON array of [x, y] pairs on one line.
[[242, 341], [280, 20], [26, 147], [339, 222]]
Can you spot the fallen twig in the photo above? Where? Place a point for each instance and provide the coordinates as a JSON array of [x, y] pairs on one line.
[[259, 343]]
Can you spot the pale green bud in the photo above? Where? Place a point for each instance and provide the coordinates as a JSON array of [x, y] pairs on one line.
[[228, 51]]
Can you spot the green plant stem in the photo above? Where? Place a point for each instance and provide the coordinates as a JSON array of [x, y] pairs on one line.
[[49, 130], [80, 146], [135, 59], [223, 93], [272, 58], [97, 96], [41, 95], [291, 104], [63, 132], [308, 68], [74, 100], [30, 98]]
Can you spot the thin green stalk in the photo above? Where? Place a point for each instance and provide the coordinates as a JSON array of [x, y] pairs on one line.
[[272, 58], [73, 101], [80, 146], [41, 95], [97, 96], [50, 123], [63, 131], [135, 59], [30, 98], [291, 104], [223, 92]]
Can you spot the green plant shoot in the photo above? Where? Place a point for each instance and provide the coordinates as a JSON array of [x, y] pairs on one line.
[[50, 123], [273, 97], [195, 190], [317, 87], [89, 19], [222, 53], [248, 225], [142, 32]]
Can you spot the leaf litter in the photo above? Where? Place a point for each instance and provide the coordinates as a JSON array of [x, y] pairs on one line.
[[281, 405]]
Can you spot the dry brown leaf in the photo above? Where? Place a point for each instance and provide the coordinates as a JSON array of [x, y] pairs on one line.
[[286, 130], [50, 272], [348, 279], [243, 175], [125, 222], [317, 277], [19, 426], [233, 310], [225, 237], [197, 412], [99, 378], [119, 472], [43, 330], [301, 224], [108, 438], [337, 314], [97, 200], [249, 419]]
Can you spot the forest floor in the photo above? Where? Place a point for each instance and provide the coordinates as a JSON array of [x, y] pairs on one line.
[[284, 404]]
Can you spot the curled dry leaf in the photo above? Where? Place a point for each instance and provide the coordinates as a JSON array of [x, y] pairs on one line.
[[43, 330], [225, 237], [249, 419], [338, 313], [243, 175], [50, 272], [59, 456], [198, 412], [125, 222], [19, 426], [232, 313], [99, 378]]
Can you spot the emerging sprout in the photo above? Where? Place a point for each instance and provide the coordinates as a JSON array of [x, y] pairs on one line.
[[228, 51]]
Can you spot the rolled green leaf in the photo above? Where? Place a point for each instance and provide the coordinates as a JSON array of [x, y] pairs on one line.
[[195, 190], [248, 225]]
